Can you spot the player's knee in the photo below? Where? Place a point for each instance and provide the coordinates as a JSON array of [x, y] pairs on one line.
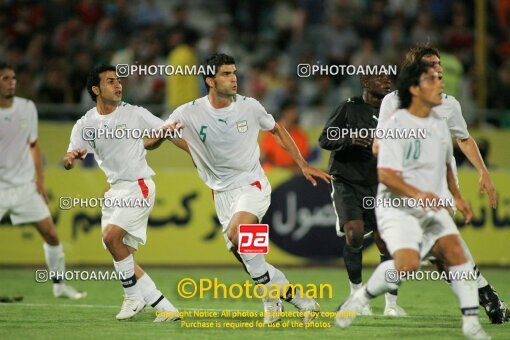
[[354, 233], [232, 233], [111, 238], [407, 264]]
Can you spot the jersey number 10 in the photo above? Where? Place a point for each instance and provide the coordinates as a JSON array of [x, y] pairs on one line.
[[413, 149]]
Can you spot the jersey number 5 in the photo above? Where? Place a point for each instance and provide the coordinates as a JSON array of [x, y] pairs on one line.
[[202, 133]]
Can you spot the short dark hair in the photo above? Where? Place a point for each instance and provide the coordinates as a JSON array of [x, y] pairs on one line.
[[216, 60], [416, 54], [93, 78], [368, 77], [410, 76], [4, 65]]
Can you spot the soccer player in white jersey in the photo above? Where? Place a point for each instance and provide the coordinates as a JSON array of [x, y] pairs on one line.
[[416, 168], [221, 131], [123, 161], [450, 111], [22, 196]]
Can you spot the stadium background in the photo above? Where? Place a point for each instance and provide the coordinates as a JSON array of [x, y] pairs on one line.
[[53, 44]]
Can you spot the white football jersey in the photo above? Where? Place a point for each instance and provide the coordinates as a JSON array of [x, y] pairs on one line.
[[18, 128], [224, 142], [449, 110], [421, 162], [121, 159]]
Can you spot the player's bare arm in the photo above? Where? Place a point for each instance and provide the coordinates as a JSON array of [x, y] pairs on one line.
[[395, 183], [72, 156], [35, 151], [287, 143], [154, 143], [460, 202], [469, 148], [375, 148]]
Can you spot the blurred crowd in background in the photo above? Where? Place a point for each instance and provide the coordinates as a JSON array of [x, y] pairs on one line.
[[54, 43]]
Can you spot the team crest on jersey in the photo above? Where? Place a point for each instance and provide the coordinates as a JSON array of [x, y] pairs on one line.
[[23, 123], [242, 126]]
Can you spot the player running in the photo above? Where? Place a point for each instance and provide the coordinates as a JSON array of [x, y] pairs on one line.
[[221, 131], [24, 199], [450, 110], [354, 169], [123, 161], [415, 169]]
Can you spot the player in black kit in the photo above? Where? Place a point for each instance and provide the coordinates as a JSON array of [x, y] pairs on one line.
[[348, 134]]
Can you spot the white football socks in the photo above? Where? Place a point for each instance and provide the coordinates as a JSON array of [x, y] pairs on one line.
[[355, 286], [480, 280], [465, 290], [379, 283], [152, 296], [126, 268], [55, 260], [391, 299]]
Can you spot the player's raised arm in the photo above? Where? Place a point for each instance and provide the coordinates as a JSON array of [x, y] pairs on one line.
[[287, 143]]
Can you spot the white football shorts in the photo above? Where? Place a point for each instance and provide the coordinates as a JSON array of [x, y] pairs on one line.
[[132, 219], [23, 204], [254, 198], [402, 230]]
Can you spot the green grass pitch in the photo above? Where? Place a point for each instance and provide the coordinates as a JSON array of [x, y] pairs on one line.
[[432, 307]]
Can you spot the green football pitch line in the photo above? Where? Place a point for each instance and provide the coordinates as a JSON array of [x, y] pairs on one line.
[[432, 308]]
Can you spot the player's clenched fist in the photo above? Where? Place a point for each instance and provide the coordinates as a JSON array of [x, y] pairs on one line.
[[72, 156], [175, 126]]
